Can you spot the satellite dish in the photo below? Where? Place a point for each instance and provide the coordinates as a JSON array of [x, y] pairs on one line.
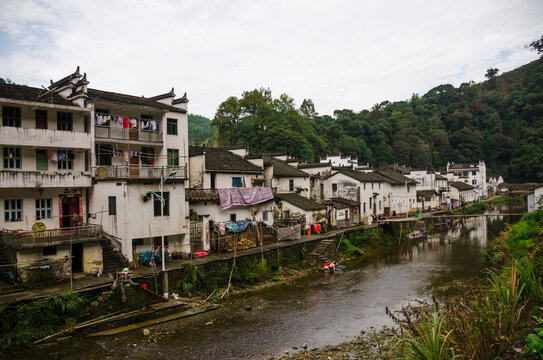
[[100, 173]]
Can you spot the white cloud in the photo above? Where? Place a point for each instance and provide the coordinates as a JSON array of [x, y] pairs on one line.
[[346, 54]]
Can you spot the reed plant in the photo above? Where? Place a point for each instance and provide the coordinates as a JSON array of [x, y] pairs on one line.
[[430, 340]]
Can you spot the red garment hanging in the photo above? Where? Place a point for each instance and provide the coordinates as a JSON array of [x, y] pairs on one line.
[[126, 123]]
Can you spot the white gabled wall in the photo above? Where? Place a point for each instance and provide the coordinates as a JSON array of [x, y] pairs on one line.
[[282, 185], [135, 218]]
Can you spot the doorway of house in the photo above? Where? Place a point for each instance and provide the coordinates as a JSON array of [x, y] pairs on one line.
[[70, 206], [134, 167], [196, 235], [77, 258]]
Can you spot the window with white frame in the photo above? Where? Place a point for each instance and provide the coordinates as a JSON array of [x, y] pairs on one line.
[[65, 159], [43, 209], [12, 158], [13, 210]]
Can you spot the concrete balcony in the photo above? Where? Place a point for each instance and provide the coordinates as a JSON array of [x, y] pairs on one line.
[[139, 172], [115, 133], [44, 138], [50, 237], [44, 179]]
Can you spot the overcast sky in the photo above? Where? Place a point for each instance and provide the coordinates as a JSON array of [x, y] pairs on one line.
[[340, 54]]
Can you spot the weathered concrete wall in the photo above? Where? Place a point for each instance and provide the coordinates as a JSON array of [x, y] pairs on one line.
[[92, 257], [135, 218], [217, 272], [29, 197], [347, 187], [44, 179], [197, 172], [311, 217], [43, 138], [29, 271], [282, 185]]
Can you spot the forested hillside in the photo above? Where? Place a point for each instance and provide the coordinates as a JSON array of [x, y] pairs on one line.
[[499, 121], [200, 130]]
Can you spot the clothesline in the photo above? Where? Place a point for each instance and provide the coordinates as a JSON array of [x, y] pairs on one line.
[[141, 154], [127, 122]]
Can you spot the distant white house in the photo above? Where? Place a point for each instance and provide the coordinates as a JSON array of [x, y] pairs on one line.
[[214, 168], [473, 174], [341, 161], [493, 183], [462, 191], [534, 199]]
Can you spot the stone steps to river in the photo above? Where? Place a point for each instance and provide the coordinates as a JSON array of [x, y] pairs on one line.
[[320, 251]]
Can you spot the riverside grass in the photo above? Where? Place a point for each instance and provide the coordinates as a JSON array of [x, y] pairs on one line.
[[487, 321]]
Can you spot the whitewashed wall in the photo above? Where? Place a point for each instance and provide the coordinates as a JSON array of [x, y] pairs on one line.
[[135, 219]]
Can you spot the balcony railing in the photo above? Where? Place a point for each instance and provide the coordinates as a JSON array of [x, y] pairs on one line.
[[118, 133], [51, 237], [139, 172]]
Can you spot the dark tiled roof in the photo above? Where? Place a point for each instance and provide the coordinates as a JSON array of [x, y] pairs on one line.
[[253, 156], [116, 98], [395, 178], [27, 93], [461, 186], [218, 159], [311, 166], [231, 147], [282, 169], [464, 166], [345, 201], [426, 194], [300, 202], [196, 150], [440, 177], [163, 96], [527, 186], [201, 194], [362, 176], [65, 80], [181, 100]]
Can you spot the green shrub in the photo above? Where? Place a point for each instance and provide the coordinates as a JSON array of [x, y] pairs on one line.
[[260, 269], [475, 208]]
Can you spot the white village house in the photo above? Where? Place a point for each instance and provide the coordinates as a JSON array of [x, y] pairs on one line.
[[473, 174], [211, 169]]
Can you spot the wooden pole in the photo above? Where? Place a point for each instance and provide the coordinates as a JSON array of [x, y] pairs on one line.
[[231, 270]]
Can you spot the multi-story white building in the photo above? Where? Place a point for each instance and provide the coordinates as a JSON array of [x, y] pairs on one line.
[[140, 145], [473, 174], [80, 166], [46, 142]]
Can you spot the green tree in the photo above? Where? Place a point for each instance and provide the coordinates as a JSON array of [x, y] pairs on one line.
[[537, 45]]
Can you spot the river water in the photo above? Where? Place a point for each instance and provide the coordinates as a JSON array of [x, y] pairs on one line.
[[316, 309]]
